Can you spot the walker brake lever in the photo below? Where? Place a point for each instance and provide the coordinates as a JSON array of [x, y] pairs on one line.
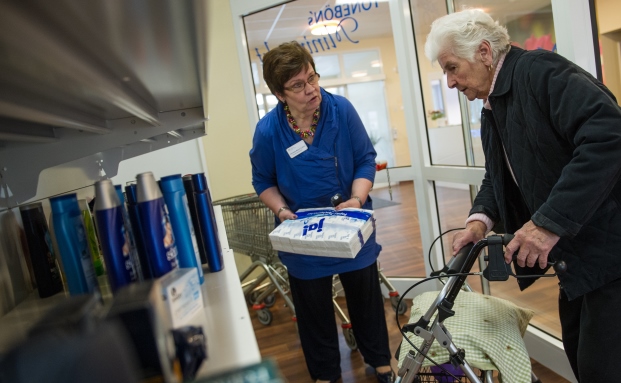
[[498, 270]]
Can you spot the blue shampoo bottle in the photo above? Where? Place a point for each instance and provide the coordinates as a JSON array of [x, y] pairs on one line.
[[188, 185], [129, 233], [208, 226], [134, 220], [155, 223], [112, 236], [73, 245], [179, 212]]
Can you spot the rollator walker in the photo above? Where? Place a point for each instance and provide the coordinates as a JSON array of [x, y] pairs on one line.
[[429, 330]]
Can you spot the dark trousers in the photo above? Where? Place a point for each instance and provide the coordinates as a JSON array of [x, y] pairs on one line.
[[592, 333], [317, 323]]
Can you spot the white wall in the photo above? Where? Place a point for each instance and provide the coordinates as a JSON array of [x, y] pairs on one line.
[[183, 158], [228, 139]]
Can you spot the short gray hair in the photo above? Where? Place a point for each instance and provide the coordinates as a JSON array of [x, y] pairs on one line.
[[461, 33]]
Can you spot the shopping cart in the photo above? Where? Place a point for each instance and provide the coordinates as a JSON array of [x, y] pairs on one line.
[[248, 223]]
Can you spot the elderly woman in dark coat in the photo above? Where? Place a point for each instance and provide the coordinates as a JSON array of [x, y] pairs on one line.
[[551, 136]]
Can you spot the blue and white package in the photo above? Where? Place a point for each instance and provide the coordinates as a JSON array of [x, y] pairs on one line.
[[181, 293], [325, 232]]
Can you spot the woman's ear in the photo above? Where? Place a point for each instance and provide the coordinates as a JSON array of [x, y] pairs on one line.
[[280, 97], [485, 53]]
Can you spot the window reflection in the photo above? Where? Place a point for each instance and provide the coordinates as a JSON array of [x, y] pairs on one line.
[[443, 113], [357, 61], [362, 64], [609, 29], [453, 206], [368, 99], [340, 90], [436, 91], [255, 74], [328, 66], [530, 25]]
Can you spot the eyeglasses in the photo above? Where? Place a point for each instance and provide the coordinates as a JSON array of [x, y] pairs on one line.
[[299, 86]]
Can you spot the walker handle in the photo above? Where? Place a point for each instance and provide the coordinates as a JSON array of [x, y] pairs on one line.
[[457, 262], [559, 266], [506, 238]]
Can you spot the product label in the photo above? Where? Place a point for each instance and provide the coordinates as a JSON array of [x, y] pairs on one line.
[[133, 250], [192, 235], [92, 243], [85, 255], [126, 251], [184, 298], [51, 259], [169, 237]]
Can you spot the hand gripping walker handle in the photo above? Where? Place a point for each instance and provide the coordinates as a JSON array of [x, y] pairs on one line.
[[559, 266]]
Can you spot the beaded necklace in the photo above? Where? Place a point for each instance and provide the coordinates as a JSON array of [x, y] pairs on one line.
[[307, 133]]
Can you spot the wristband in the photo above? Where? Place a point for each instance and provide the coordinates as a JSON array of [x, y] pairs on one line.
[[359, 200], [281, 210], [482, 218]]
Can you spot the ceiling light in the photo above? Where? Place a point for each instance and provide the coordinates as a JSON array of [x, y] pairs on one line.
[[360, 73], [327, 27]]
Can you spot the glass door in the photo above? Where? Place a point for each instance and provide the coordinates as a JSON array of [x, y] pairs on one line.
[[452, 131], [353, 49]]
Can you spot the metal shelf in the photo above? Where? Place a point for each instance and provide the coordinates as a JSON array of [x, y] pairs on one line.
[[108, 79]]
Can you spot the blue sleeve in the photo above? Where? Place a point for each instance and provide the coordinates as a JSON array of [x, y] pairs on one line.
[[364, 152], [262, 158]]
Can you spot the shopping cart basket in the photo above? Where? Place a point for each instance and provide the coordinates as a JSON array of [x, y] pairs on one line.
[[248, 223]]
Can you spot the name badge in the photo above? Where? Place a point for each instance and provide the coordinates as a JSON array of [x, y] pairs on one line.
[[297, 148]]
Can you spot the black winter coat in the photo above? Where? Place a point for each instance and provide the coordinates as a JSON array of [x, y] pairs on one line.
[[561, 130]]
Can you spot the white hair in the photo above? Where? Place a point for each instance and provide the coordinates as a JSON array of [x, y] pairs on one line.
[[461, 33]]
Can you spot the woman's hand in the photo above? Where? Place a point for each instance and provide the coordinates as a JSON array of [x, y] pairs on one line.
[[473, 233], [533, 244], [352, 202], [272, 198], [286, 214]]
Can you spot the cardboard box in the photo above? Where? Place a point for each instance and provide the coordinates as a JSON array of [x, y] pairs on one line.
[[325, 232]]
